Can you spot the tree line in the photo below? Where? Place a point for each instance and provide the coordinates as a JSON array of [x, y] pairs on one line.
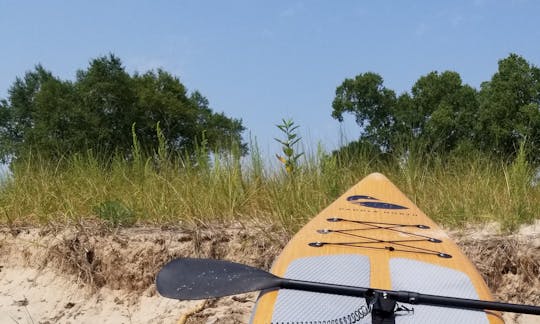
[[104, 109], [442, 115]]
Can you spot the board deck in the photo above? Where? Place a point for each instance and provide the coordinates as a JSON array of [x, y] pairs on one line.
[[374, 220]]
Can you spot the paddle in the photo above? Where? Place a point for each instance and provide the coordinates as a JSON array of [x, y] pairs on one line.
[[190, 279]]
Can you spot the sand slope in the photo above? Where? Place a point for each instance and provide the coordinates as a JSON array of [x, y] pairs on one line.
[[42, 296], [91, 275]]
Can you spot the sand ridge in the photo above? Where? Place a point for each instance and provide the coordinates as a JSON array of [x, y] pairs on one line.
[[90, 274]]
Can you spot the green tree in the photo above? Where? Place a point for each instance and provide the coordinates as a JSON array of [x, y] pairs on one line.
[[30, 110], [5, 128], [46, 115], [372, 105], [510, 109], [438, 114], [106, 99], [54, 126], [441, 112], [443, 115]]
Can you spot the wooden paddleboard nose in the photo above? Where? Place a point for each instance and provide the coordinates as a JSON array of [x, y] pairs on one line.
[[375, 230], [377, 176]]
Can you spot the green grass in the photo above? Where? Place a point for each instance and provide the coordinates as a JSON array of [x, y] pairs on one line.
[[160, 189]]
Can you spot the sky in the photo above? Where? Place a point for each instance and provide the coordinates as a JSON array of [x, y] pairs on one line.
[[263, 61]]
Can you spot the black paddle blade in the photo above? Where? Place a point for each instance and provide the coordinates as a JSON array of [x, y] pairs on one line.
[[190, 279]]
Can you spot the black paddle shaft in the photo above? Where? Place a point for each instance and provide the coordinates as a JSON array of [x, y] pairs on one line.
[[190, 279], [408, 297]]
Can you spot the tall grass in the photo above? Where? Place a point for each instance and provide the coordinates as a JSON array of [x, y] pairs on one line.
[[158, 188]]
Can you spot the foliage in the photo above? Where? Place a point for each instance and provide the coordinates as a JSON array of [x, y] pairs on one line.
[[509, 111], [98, 111], [372, 105], [444, 116], [290, 158]]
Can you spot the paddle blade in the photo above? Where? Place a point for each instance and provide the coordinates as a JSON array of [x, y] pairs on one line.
[[190, 279]]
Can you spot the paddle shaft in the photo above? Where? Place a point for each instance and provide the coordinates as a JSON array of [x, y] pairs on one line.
[[408, 297]]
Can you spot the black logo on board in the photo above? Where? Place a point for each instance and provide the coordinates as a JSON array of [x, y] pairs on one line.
[[372, 202]]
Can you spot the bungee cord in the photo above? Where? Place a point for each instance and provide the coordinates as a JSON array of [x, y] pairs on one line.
[[400, 245]]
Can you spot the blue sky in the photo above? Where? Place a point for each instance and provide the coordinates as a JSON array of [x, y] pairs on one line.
[[264, 61]]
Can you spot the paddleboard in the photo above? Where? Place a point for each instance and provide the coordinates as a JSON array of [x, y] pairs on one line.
[[373, 236]]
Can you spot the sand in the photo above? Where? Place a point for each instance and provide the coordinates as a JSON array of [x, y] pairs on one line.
[[42, 296], [87, 274]]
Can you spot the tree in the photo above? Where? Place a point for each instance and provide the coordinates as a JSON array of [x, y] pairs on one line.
[[437, 114], [54, 126], [46, 115], [5, 128], [106, 104], [371, 103], [25, 113], [510, 109], [443, 115], [442, 111]]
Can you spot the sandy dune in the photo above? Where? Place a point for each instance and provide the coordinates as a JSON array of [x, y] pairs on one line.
[[97, 276]]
